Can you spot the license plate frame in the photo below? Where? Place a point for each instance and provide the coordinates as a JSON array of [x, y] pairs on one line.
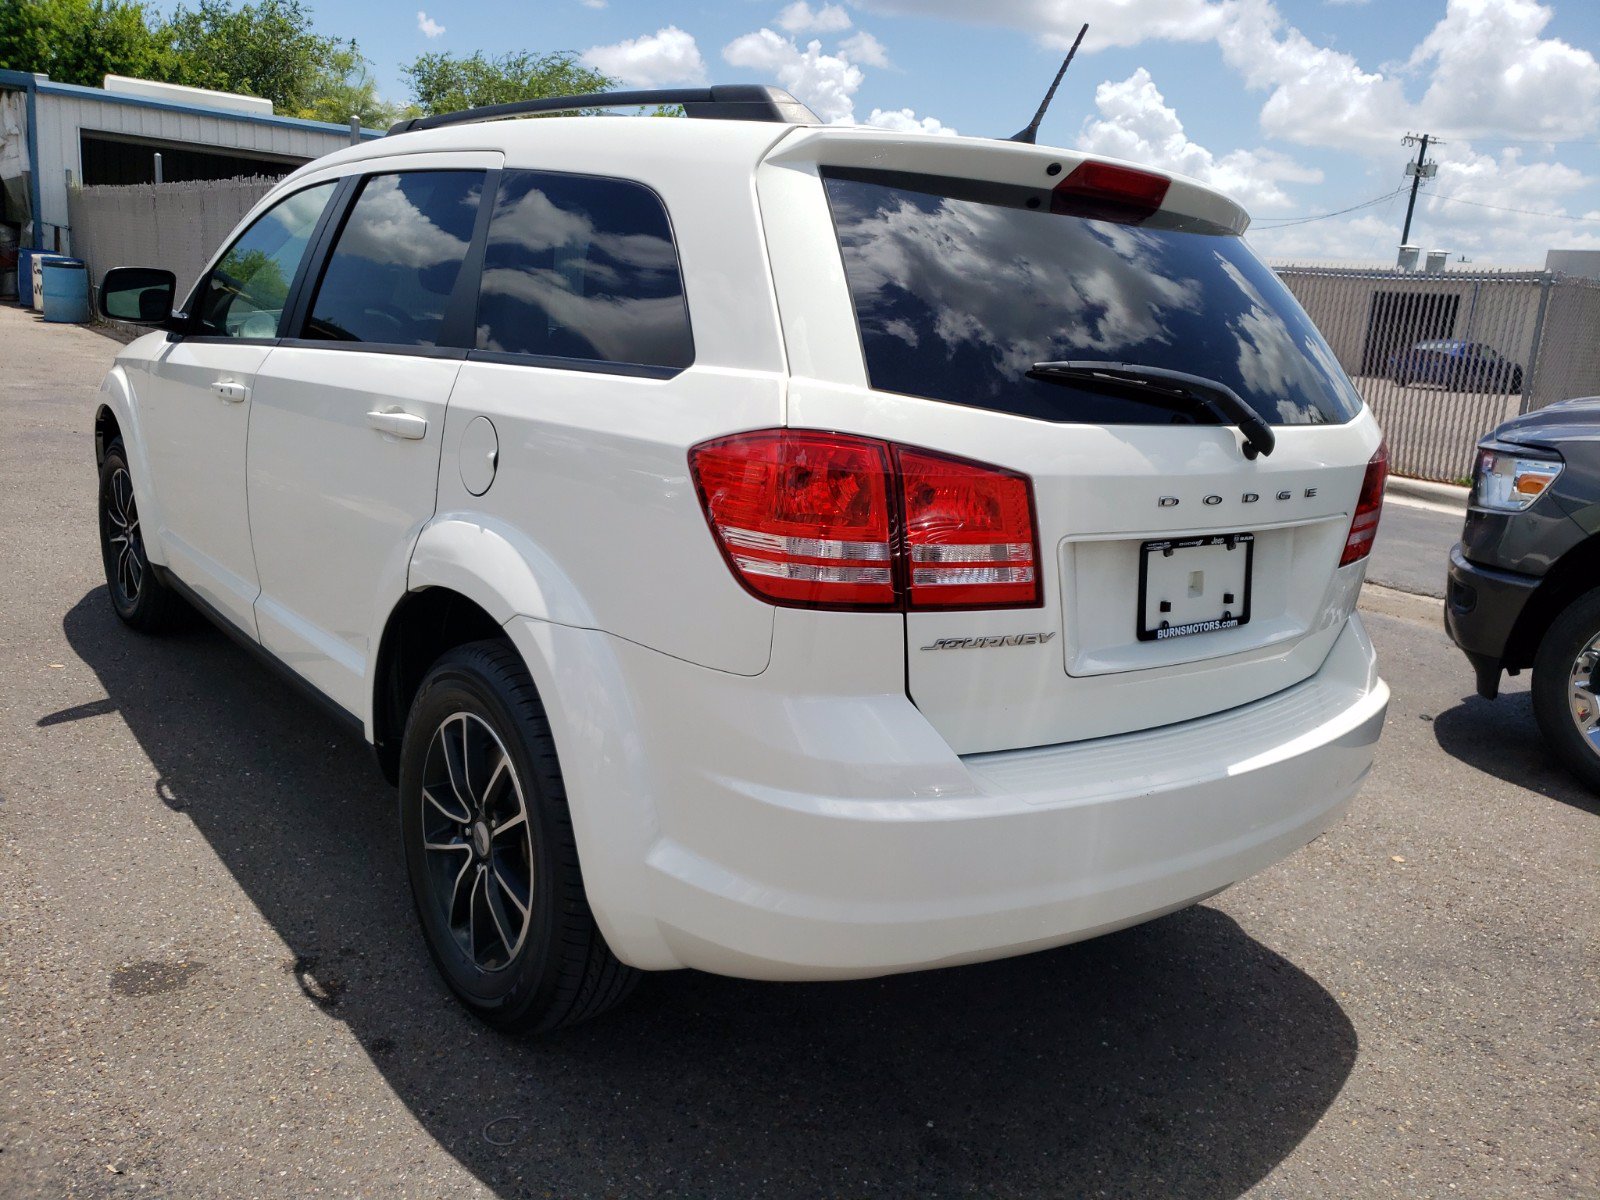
[[1229, 616]]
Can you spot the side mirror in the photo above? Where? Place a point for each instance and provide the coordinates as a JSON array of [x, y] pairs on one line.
[[138, 295]]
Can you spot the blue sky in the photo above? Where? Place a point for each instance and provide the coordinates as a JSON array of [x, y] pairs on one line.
[[1296, 107]]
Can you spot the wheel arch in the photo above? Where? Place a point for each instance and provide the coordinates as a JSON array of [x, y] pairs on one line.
[[423, 626], [1576, 572], [468, 575], [116, 415]]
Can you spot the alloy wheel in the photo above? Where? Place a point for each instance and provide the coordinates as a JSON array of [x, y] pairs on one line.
[[1583, 693], [124, 538], [477, 841]]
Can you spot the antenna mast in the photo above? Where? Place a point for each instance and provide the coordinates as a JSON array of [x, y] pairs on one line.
[[1031, 133]]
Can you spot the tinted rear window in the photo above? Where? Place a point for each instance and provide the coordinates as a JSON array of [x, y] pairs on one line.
[[582, 268], [957, 298]]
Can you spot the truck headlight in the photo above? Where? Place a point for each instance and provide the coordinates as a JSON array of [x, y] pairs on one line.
[[1507, 481]]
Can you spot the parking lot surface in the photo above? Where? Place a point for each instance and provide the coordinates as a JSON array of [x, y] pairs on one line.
[[210, 983]]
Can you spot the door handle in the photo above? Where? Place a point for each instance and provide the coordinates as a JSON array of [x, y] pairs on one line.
[[232, 392], [399, 424]]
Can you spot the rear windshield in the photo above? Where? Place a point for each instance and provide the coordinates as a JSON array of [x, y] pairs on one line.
[[957, 298]]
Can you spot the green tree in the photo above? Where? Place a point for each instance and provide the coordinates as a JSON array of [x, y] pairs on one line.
[[346, 89], [263, 49], [80, 41], [447, 83]]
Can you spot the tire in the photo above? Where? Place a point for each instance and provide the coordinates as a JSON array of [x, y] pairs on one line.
[[1569, 660], [510, 928], [138, 594], [1515, 386]]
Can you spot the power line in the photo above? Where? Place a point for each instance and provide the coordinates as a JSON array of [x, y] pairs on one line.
[[1532, 212], [1285, 222]]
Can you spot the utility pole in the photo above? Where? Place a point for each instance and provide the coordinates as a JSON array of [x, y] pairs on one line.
[[1419, 170]]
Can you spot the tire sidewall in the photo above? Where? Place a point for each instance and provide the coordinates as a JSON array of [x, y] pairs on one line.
[[458, 684], [115, 460], [1578, 624]]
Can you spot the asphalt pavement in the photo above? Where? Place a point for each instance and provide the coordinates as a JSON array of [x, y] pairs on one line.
[[211, 984], [1413, 546]]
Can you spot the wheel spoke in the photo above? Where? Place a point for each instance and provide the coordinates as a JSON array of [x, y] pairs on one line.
[[456, 764], [506, 940], [509, 892], [460, 817], [520, 819], [447, 846], [479, 887], [455, 892], [501, 771]]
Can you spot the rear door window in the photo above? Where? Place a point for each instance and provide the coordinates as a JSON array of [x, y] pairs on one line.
[[397, 258], [582, 269], [957, 298]]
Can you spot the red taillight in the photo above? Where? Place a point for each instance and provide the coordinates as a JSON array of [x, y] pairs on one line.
[[1369, 507], [828, 520], [1106, 192], [968, 531], [804, 518]]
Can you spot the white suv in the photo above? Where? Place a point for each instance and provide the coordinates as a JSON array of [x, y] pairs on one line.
[[785, 550]]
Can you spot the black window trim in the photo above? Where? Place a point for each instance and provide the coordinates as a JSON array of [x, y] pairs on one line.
[[330, 210], [587, 365]]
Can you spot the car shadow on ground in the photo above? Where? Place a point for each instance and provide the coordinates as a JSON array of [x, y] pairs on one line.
[[1501, 738], [1179, 1059]]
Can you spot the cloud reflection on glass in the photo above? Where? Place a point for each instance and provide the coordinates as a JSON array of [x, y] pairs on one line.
[[957, 299]]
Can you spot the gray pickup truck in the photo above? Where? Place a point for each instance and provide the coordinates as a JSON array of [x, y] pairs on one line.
[[1524, 586]]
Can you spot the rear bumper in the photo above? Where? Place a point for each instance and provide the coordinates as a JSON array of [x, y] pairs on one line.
[[818, 837], [1481, 608]]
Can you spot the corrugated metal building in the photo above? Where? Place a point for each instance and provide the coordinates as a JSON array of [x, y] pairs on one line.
[[53, 135]]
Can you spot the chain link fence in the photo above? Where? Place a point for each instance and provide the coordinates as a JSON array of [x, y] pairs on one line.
[[1443, 358]]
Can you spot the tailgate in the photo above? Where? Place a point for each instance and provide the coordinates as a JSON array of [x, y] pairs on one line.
[[945, 297]]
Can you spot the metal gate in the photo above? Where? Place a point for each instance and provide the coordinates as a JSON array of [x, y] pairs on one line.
[[1443, 358]]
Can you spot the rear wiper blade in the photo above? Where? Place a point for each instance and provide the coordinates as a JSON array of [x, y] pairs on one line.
[[1159, 383]]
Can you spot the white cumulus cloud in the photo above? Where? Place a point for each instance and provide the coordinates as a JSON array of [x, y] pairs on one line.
[[904, 120], [1055, 23], [862, 47], [429, 27], [667, 56], [1136, 123], [800, 17], [1493, 74], [826, 83]]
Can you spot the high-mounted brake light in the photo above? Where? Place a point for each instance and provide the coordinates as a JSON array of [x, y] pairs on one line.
[[1369, 508], [1106, 192], [829, 520]]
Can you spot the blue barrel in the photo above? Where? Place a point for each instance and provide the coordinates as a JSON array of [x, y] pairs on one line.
[[36, 279], [66, 291], [25, 276]]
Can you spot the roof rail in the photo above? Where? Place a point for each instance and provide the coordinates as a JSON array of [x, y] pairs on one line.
[[726, 102]]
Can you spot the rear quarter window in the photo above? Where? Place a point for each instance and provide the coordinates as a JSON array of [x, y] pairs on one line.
[[957, 298], [580, 269]]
